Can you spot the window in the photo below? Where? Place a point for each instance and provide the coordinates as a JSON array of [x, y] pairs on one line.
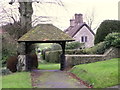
[[84, 39]]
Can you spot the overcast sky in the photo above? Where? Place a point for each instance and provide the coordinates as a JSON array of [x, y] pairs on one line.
[[103, 9]]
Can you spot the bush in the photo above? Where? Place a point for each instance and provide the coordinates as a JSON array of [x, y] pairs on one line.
[[97, 49], [106, 27], [53, 56], [56, 47], [69, 45], [6, 71], [116, 42], [44, 51], [9, 47], [112, 39], [74, 45]]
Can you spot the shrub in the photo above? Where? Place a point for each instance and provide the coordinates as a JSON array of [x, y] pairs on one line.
[[97, 49], [112, 39], [53, 56], [69, 45], [116, 42], [55, 47], [44, 51], [9, 48], [6, 71], [74, 45], [106, 27]]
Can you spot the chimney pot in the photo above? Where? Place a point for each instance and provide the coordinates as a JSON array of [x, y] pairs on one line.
[[72, 22], [78, 18]]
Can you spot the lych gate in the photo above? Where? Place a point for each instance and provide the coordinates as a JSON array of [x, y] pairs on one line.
[[46, 33]]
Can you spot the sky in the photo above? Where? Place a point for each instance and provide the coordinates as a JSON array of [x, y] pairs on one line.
[[60, 15]]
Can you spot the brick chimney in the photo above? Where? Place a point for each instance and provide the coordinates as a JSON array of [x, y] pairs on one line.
[[72, 22], [78, 18]]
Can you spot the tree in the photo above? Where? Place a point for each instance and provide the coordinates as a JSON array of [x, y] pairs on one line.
[[17, 21], [26, 11], [106, 27], [90, 19]]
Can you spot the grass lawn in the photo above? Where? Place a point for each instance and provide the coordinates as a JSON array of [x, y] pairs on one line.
[[49, 66], [17, 80], [100, 74], [0, 82]]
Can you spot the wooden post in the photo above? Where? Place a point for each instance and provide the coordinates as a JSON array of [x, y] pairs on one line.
[[62, 60], [28, 47]]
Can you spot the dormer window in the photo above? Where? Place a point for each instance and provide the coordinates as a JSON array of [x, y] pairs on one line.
[[84, 39]]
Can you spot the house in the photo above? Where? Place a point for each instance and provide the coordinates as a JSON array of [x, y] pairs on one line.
[[80, 31]]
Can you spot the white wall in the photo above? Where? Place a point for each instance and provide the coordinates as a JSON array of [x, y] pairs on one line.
[[85, 32]]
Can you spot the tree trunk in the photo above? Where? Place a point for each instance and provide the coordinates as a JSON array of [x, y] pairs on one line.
[[26, 12]]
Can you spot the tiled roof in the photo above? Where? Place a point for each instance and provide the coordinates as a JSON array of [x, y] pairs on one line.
[[45, 32], [73, 30]]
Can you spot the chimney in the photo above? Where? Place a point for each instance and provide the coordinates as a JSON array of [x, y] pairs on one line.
[[72, 22], [78, 18]]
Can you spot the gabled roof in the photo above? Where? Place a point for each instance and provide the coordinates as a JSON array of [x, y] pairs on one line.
[[45, 32], [73, 30]]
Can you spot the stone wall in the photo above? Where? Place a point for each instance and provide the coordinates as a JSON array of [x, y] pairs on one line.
[[112, 53], [71, 60]]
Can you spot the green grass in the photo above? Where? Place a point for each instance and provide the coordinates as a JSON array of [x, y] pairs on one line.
[[100, 74], [17, 80], [0, 82], [49, 66]]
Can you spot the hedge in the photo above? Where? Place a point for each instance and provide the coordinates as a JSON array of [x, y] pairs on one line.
[[112, 39], [106, 27], [54, 56]]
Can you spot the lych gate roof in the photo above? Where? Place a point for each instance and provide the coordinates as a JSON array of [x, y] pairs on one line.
[[45, 32]]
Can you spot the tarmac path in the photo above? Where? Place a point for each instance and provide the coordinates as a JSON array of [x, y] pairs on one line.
[[54, 79]]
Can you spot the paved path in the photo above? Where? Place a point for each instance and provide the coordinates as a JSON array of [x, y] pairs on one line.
[[54, 79]]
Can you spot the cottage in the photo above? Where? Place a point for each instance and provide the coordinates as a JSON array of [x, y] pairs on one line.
[[80, 31]]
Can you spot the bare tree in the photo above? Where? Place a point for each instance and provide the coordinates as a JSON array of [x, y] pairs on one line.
[[90, 19], [26, 12]]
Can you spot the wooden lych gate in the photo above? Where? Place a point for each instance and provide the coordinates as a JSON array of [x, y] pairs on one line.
[[46, 33]]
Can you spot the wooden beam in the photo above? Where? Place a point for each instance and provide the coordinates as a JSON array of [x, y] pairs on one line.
[[62, 60]]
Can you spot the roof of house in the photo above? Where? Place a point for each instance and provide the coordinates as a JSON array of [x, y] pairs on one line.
[[45, 32], [73, 30]]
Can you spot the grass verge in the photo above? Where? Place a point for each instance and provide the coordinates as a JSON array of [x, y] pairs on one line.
[[17, 80], [100, 74], [49, 66]]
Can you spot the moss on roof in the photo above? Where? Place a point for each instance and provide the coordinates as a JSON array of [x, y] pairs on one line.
[[45, 32]]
